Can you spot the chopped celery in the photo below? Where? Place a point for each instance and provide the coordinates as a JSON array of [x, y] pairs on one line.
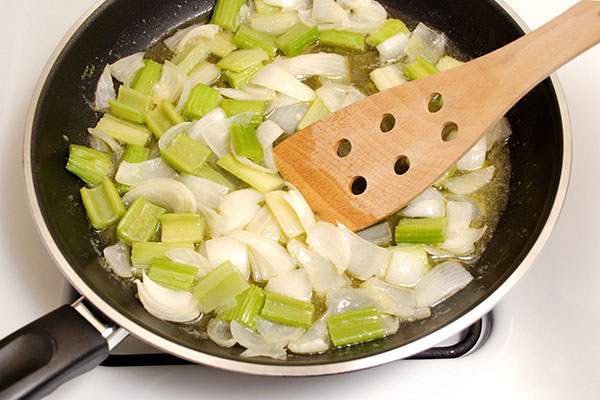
[[134, 154], [248, 38], [211, 174], [420, 68], [123, 131], [239, 79], [264, 182], [147, 76], [287, 310], [140, 222], [298, 38], [242, 59], [142, 253], [226, 12], [355, 326], [172, 275], [185, 154], [246, 143], [202, 100], [445, 63], [387, 77], [249, 304], [421, 230], [316, 111], [195, 56], [221, 44], [235, 107], [88, 164], [126, 112], [162, 118], [181, 227], [345, 39], [219, 285], [170, 112], [263, 8], [131, 105], [388, 29], [103, 204]]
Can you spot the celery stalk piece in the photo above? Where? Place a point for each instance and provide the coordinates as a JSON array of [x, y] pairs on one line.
[[134, 154], [146, 77], [202, 100], [249, 304], [195, 56], [172, 275], [263, 8], [355, 326], [171, 112], [185, 154], [131, 105], [219, 285], [297, 39], [235, 107], [103, 204], [420, 68], [264, 182], [287, 310], [239, 79], [242, 59], [142, 253], [421, 230], [248, 38], [226, 12], [158, 122], [221, 44], [211, 174], [316, 111], [181, 227], [388, 29], [88, 164], [387, 77], [246, 143], [140, 222], [445, 63], [124, 131], [345, 39], [126, 112]]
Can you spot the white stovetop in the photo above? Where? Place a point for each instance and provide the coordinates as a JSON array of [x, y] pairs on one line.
[[544, 343]]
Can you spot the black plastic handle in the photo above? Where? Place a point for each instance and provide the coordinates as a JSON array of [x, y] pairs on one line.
[[51, 350]]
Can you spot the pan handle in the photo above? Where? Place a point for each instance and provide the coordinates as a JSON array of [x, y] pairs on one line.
[[63, 344]]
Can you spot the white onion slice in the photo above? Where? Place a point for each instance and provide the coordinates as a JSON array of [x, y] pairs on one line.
[[260, 92], [342, 300], [278, 334], [267, 133], [117, 258], [292, 284], [461, 243], [379, 234], [366, 258], [167, 304], [254, 343], [475, 158], [125, 68], [328, 240], [190, 257], [273, 24], [136, 173], [105, 90], [323, 64], [164, 192], [203, 31], [314, 341], [238, 94], [284, 214], [167, 138], [408, 264], [441, 282], [225, 248], [427, 43], [429, 204], [171, 41], [207, 192], [303, 211], [114, 145], [327, 11], [404, 299], [390, 324], [213, 129], [332, 97], [206, 74], [353, 95], [265, 224], [214, 222], [218, 331], [470, 182], [288, 117], [170, 85], [499, 132], [393, 47], [274, 77], [239, 207]]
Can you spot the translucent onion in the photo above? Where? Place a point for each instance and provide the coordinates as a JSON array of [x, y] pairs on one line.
[[329, 241], [171, 41], [441, 282], [475, 158], [303, 211], [203, 31], [379, 234], [288, 117], [164, 192], [284, 214], [105, 90], [327, 11], [136, 173], [499, 132], [366, 258], [366, 16], [404, 299], [207, 192], [407, 265], [112, 144], [239, 207], [462, 243], [260, 92], [282, 22], [213, 129], [267, 133], [206, 73], [353, 95], [190, 257], [254, 343], [332, 97], [393, 47], [214, 222], [238, 94], [274, 77], [314, 341], [117, 258], [167, 138], [125, 68], [265, 224], [429, 204], [219, 332], [427, 43], [470, 182], [390, 324], [325, 64], [292, 284], [225, 248], [167, 304], [278, 334], [342, 300], [170, 85]]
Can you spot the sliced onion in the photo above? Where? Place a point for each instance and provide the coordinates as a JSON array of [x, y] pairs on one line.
[[238, 94], [215, 223], [112, 144], [366, 258], [171, 41], [213, 129], [403, 298], [239, 207], [460, 214], [225, 248], [314, 341], [105, 90], [408, 264], [332, 97], [390, 324], [353, 95], [207, 192], [164, 192], [190, 257], [329, 241], [260, 92], [203, 31], [379, 234], [278, 334], [462, 242], [167, 304], [499, 133], [170, 85], [429, 204], [427, 43], [292, 284], [265, 224], [256, 346], [288, 117], [206, 74], [167, 138], [349, 299], [441, 282], [303, 211], [393, 47], [325, 64], [136, 173], [267, 133], [274, 77], [117, 258], [327, 11], [475, 158], [284, 214], [273, 24], [124, 69], [470, 182], [218, 331]]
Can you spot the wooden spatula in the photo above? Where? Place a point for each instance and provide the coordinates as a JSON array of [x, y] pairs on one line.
[[371, 182]]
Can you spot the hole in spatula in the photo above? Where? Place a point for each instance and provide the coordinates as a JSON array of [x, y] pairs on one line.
[[388, 121], [449, 132], [435, 103], [358, 185], [344, 147], [401, 165]]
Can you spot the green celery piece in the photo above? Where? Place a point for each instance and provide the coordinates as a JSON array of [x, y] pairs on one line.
[[298, 38], [263, 8], [264, 182], [420, 68], [246, 143], [248, 38], [195, 56], [287, 310], [249, 304], [88, 164], [172, 275], [142, 253], [158, 122], [134, 154], [182, 227], [211, 174], [242, 59], [219, 285], [445, 63], [316, 111], [388, 29], [131, 105], [126, 112], [202, 100], [355, 326], [240, 79], [221, 44], [345, 39], [171, 113], [147, 76], [449, 174], [140, 222], [185, 154], [103, 204], [235, 107], [124, 131], [226, 12], [421, 230]]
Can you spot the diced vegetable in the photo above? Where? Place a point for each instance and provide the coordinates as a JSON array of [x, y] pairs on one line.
[[88, 164], [245, 142], [345, 39], [421, 230], [355, 327], [186, 154], [103, 204], [219, 285], [202, 99], [287, 310], [240, 79], [140, 222], [264, 182], [249, 305], [235, 107], [420, 68], [146, 77], [172, 275], [142, 253], [123, 131], [226, 13], [181, 227], [297, 39], [316, 111], [248, 38], [389, 28], [240, 60]]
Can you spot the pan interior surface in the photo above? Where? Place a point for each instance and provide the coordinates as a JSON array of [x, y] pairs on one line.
[[118, 28]]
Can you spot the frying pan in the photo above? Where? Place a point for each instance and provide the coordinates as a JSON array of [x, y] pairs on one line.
[[75, 338]]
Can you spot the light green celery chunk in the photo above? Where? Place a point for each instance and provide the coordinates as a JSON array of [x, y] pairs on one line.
[[142, 253], [226, 12], [355, 326], [264, 182], [181, 227], [133, 154], [249, 304], [172, 275], [171, 113], [242, 59], [345, 39], [421, 230], [202, 100], [445, 63], [140, 222], [449, 174], [248, 38], [298, 38], [246, 143], [420, 68], [221, 44], [126, 112], [211, 174], [287, 310], [124, 131], [193, 57], [263, 8], [103, 204], [218, 286], [185, 154], [158, 122], [388, 29], [235, 107], [88, 164], [147, 76], [240, 79], [387, 77], [131, 105], [316, 111]]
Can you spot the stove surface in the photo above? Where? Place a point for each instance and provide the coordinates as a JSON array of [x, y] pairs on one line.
[[544, 340]]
